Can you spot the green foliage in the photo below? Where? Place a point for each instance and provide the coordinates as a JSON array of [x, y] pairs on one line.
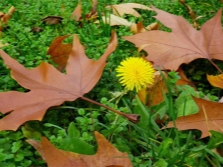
[[15, 151], [184, 103], [71, 126]]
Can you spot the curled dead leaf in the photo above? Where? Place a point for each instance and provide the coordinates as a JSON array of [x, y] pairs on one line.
[[216, 81], [183, 79], [138, 28], [107, 155], [113, 20], [76, 14], [127, 8], [4, 17], [52, 20], [36, 29], [153, 94]]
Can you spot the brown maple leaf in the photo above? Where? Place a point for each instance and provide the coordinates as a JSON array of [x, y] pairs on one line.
[[168, 50], [49, 87], [209, 117], [107, 155], [60, 52]]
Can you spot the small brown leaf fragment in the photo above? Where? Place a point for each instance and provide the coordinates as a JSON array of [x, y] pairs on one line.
[[93, 13], [60, 52], [153, 26], [127, 8], [36, 29], [4, 17], [183, 79], [113, 20], [138, 28], [107, 155], [212, 121], [94, 7], [153, 95], [156, 91], [190, 11], [1, 14], [193, 15], [7, 16], [76, 14], [216, 81], [52, 20], [132, 117]]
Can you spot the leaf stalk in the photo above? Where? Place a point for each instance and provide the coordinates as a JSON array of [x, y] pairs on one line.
[[131, 117]]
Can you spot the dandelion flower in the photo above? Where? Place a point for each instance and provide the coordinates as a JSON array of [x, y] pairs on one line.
[[135, 72]]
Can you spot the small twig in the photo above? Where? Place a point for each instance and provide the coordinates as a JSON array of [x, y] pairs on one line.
[[132, 117], [210, 161]]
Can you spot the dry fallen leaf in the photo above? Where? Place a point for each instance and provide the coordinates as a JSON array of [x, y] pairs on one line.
[[60, 52], [76, 14], [209, 117], [93, 11], [191, 13], [153, 95], [127, 8], [52, 20], [107, 155], [49, 87], [36, 29], [183, 79], [138, 28], [113, 20], [4, 17], [216, 81], [168, 50]]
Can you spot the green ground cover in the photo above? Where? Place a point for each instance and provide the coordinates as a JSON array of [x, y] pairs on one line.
[[146, 144]]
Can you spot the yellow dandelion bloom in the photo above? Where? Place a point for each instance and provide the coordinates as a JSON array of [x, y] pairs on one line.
[[135, 72]]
